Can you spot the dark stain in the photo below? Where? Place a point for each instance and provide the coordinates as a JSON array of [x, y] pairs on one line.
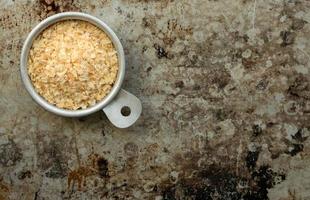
[[221, 114], [257, 130], [119, 10], [10, 154], [82, 119], [149, 69], [251, 159], [213, 183], [299, 87], [250, 110], [129, 16], [160, 52], [298, 24], [36, 195], [262, 85], [288, 38], [270, 124], [179, 84], [296, 144], [144, 48], [296, 148], [299, 137], [245, 38], [219, 183], [50, 7], [148, 21], [169, 194], [24, 174], [94, 165], [102, 165], [275, 155], [264, 178]]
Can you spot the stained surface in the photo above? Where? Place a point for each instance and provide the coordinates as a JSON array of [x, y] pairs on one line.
[[225, 88]]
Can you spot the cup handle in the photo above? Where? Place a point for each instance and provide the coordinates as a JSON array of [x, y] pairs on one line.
[[124, 110]]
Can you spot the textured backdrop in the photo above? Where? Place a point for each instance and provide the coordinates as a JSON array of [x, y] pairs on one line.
[[225, 87]]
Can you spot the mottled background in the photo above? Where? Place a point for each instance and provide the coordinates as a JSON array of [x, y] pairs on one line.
[[225, 88]]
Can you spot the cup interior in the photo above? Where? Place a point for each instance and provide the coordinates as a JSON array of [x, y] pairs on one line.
[[72, 16]]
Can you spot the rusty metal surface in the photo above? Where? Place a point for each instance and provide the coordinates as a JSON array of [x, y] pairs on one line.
[[225, 88]]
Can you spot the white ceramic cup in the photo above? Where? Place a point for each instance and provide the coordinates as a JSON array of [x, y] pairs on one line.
[[113, 103]]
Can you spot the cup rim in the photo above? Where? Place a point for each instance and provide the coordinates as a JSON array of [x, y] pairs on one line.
[[52, 20]]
